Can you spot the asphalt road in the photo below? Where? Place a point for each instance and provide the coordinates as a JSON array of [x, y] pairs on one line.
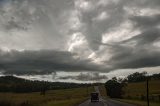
[[103, 102], [116, 103]]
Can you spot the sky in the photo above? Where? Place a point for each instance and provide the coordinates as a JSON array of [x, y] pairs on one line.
[[79, 40]]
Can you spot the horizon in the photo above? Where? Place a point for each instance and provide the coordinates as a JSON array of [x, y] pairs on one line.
[[62, 79]]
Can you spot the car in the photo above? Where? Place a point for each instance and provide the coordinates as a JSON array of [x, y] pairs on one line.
[[94, 97]]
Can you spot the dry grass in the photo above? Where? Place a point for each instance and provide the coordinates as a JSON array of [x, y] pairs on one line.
[[135, 93], [136, 90], [69, 102], [53, 96]]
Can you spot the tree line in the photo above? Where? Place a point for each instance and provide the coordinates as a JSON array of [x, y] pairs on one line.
[[115, 85], [19, 85]]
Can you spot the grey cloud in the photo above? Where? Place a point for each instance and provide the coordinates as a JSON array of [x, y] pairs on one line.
[[93, 29], [86, 77], [138, 51], [43, 62], [142, 54], [146, 22], [147, 37], [136, 59], [43, 24], [20, 14], [115, 16], [149, 3], [14, 25], [34, 24]]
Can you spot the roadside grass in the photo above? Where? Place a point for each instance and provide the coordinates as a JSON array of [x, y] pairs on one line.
[[70, 102], [135, 93], [137, 90], [139, 102], [56, 97]]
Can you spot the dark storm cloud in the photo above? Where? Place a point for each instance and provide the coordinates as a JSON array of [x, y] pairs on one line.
[[148, 37], [96, 23], [141, 54], [98, 19], [50, 24], [141, 50], [146, 22], [34, 24], [21, 14], [14, 25], [42, 62], [135, 58], [86, 77]]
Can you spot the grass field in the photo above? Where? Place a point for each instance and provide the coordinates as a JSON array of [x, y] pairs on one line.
[[138, 90], [66, 97], [139, 102], [135, 93]]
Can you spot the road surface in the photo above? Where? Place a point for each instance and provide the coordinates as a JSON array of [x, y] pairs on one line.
[[116, 103], [103, 102]]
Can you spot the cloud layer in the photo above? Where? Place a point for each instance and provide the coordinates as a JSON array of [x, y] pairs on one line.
[[43, 62], [45, 36], [86, 77]]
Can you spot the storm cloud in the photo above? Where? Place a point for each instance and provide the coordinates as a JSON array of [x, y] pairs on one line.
[[43, 62], [86, 77], [46, 36]]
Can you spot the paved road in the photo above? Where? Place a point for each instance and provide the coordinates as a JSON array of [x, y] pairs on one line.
[[103, 102], [116, 103]]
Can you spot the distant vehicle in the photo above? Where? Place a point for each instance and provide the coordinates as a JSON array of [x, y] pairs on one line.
[[94, 97]]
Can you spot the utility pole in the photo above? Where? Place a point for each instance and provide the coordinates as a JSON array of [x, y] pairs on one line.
[[87, 91], [147, 92]]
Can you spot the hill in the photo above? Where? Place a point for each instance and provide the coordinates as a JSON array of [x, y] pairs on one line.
[[14, 84]]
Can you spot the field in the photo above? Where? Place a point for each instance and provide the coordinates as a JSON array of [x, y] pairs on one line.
[[138, 90], [65, 97], [135, 93]]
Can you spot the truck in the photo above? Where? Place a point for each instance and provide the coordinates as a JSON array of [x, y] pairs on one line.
[[94, 97]]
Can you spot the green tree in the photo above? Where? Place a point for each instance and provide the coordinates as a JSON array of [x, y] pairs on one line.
[[114, 88], [137, 77]]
